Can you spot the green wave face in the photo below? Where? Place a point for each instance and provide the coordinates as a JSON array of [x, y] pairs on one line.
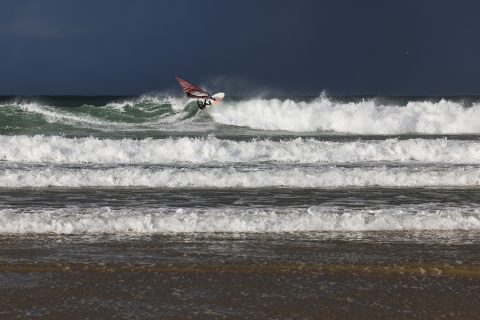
[[136, 115]]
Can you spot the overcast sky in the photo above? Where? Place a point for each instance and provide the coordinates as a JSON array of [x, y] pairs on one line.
[[291, 47]]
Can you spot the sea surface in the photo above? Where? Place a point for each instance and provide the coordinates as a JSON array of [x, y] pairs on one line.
[[146, 207]]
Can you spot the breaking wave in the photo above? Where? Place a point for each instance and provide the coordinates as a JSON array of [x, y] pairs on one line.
[[144, 113], [241, 177], [75, 220], [365, 117], [323, 114], [55, 149]]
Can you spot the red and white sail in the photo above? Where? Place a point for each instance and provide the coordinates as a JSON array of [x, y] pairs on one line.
[[191, 90]]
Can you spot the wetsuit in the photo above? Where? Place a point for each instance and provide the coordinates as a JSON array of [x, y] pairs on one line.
[[205, 103]]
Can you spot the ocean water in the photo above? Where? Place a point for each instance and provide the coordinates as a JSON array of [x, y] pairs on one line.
[[276, 180], [289, 151]]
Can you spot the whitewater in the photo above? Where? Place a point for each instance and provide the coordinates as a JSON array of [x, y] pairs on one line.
[[58, 149], [367, 116], [74, 220], [156, 164]]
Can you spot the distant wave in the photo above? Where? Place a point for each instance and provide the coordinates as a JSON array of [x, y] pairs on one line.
[[55, 149], [75, 220], [242, 177], [366, 117]]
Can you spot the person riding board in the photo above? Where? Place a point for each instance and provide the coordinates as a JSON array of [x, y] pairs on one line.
[[194, 92], [202, 105]]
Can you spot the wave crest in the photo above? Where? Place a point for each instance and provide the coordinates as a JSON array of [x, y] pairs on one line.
[[75, 220], [365, 117], [242, 177], [55, 149]]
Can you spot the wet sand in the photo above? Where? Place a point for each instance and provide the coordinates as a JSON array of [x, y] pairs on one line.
[[394, 275]]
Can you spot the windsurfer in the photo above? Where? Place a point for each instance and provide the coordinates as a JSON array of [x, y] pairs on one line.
[[201, 105], [198, 93]]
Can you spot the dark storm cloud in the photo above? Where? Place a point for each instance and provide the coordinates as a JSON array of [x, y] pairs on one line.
[[33, 19], [289, 47]]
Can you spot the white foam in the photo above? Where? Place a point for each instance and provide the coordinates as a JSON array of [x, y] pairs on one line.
[[242, 177], [75, 220], [366, 117], [55, 149]]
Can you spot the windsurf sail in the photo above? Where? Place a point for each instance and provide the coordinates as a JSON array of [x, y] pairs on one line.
[[192, 91]]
